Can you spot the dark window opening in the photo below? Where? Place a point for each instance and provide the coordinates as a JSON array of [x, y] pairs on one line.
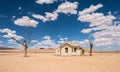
[[75, 49], [66, 50]]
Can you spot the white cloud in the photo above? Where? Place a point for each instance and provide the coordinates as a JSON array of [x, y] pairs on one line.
[[66, 38], [51, 16], [11, 41], [68, 8], [19, 46], [47, 42], [48, 16], [91, 9], [10, 35], [86, 31], [75, 43], [6, 30], [19, 8], [83, 43], [109, 36], [47, 37], [101, 27], [34, 41], [63, 40], [102, 42], [44, 19], [44, 1], [106, 30], [96, 19], [26, 21]]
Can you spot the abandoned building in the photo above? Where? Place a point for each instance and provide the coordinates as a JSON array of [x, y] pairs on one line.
[[69, 50]]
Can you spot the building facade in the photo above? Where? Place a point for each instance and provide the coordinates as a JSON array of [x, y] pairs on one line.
[[69, 50]]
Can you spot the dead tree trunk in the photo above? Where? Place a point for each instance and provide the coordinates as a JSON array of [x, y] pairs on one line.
[[24, 44], [25, 49], [91, 46]]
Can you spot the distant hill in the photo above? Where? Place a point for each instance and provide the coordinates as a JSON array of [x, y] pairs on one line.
[[6, 48]]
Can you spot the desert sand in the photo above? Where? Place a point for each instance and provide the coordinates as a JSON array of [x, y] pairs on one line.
[[48, 62]]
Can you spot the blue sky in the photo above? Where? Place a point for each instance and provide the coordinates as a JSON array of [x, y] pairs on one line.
[[59, 21]]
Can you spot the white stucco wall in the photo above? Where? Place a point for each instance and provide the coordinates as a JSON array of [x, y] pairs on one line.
[[69, 53], [63, 53], [78, 52]]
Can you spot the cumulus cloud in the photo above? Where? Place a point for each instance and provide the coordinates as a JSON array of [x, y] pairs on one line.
[[47, 42], [103, 42], [109, 36], [10, 34], [83, 43], [62, 40], [19, 46], [37, 16], [68, 8], [34, 41], [86, 31], [11, 41], [26, 21], [46, 37], [51, 16], [91, 9], [105, 30], [6, 30], [96, 19], [44, 1], [48, 16]]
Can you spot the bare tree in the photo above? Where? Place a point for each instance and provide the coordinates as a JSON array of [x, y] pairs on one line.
[[24, 44], [27, 23], [91, 47]]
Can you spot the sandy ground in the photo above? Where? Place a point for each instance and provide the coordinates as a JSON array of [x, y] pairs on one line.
[[47, 62]]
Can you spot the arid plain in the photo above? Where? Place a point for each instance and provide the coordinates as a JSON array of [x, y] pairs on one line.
[[48, 62]]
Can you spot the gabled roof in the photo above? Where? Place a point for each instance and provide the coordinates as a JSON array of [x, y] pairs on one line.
[[71, 46], [67, 44]]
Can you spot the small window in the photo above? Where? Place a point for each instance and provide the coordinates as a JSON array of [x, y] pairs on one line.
[[66, 50], [75, 49]]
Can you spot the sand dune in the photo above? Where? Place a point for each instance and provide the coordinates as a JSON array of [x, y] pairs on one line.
[[47, 62]]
